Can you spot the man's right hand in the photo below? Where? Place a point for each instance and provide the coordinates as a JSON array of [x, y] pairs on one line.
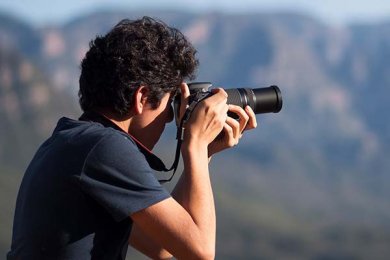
[[208, 118]]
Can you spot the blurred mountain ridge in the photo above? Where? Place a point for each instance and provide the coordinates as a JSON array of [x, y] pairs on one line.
[[311, 182]]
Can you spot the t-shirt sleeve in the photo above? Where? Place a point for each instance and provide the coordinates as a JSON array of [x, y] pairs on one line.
[[117, 175]]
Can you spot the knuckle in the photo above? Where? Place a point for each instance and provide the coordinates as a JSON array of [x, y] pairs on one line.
[[213, 112], [229, 131], [223, 92], [231, 143], [221, 121], [245, 117]]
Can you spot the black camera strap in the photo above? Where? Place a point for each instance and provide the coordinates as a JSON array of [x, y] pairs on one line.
[[180, 138]]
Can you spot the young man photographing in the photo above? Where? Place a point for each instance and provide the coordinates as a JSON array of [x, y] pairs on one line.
[[90, 189]]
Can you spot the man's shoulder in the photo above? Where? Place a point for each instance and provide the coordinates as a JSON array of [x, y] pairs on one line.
[[114, 146], [77, 131], [77, 140]]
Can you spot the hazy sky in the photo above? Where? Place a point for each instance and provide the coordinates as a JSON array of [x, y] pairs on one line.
[[330, 11]]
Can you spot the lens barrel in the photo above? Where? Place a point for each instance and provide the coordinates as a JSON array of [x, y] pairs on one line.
[[261, 100]]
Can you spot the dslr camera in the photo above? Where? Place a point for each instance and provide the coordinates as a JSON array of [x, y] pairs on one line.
[[261, 100]]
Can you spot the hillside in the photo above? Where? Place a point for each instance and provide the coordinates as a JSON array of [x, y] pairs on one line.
[[29, 107], [312, 182]]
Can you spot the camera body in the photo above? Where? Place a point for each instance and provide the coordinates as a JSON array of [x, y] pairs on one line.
[[261, 100]]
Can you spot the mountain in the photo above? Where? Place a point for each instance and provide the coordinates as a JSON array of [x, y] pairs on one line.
[[29, 107], [312, 182], [30, 102]]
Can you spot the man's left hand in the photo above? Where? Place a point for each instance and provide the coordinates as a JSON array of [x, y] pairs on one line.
[[233, 129]]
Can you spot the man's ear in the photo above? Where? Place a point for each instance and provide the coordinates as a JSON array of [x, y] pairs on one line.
[[140, 99]]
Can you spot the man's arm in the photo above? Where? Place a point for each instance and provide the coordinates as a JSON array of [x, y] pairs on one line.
[[190, 197], [185, 225]]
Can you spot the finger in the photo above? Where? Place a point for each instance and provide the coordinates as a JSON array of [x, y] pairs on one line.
[[219, 99], [243, 116], [219, 95], [217, 102], [185, 93], [252, 122], [230, 141], [235, 126]]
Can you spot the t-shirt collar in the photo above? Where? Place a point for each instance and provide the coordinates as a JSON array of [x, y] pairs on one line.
[[154, 162]]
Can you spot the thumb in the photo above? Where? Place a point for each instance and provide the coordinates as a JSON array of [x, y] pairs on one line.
[[185, 93]]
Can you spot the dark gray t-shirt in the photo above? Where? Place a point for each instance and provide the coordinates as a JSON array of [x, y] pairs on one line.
[[78, 192]]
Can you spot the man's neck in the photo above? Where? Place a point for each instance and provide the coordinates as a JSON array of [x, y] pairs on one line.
[[122, 122]]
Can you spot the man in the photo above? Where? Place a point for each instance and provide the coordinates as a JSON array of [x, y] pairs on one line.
[[90, 188]]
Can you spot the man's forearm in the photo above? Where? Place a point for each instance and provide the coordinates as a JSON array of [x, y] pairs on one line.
[[194, 192]]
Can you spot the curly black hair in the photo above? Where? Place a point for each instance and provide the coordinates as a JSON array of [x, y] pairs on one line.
[[140, 52]]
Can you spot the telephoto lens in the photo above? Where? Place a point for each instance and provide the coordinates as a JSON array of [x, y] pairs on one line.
[[261, 100]]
